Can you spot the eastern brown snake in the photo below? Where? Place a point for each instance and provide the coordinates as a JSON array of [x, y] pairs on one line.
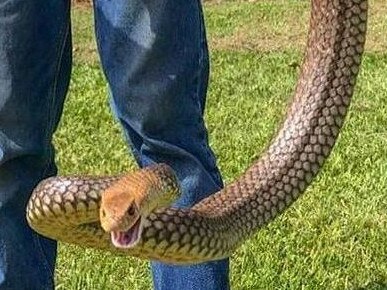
[[67, 208]]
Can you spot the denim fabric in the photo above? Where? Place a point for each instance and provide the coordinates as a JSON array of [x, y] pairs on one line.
[[154, 55], [35, 63]]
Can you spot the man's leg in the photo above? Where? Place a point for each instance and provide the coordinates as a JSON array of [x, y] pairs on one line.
[[154, 54], [35, 60]]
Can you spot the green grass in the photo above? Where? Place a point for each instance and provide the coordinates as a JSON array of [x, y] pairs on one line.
[[277, 25], [334, 237]]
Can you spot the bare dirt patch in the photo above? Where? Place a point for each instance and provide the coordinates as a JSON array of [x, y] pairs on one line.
[[258, 32], [291, 32], [82, 3]]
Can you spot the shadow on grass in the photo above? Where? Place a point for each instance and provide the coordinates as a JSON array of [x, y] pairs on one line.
[[374, 285]]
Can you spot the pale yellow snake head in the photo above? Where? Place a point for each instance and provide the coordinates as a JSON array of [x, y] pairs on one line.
[[120, 215], [131, 199]]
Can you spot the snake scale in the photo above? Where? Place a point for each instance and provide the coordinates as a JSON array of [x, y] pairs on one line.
[[67, 208]]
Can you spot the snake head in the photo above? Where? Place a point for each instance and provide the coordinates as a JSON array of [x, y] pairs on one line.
[[120, 215], [129, 201]]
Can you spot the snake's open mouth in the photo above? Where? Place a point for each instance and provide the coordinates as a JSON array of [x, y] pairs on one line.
[[129, 238]]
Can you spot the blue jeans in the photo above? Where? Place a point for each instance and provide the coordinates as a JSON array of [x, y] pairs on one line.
[[154, 55]]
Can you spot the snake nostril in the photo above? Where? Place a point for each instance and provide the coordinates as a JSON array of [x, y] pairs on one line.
[[103, 213]]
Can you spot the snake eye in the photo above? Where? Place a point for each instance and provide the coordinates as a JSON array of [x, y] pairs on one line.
[[131, 210]]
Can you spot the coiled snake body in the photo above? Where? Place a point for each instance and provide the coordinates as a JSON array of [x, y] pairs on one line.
[[67, 208]]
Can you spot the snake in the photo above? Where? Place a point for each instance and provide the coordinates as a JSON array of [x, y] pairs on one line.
[[132, 214]]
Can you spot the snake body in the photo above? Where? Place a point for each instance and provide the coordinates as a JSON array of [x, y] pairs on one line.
[[66, 208]]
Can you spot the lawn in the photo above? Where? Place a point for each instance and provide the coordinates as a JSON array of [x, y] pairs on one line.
[[335, 236]]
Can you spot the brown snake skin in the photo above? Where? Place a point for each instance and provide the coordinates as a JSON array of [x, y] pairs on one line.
[[66, 208]]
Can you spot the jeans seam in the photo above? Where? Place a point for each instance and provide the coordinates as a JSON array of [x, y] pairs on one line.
[[213, 172], [63, 34], [200, 63], [44, 258]]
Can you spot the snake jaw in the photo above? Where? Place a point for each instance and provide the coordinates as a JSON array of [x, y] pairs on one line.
[[129, 238]]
